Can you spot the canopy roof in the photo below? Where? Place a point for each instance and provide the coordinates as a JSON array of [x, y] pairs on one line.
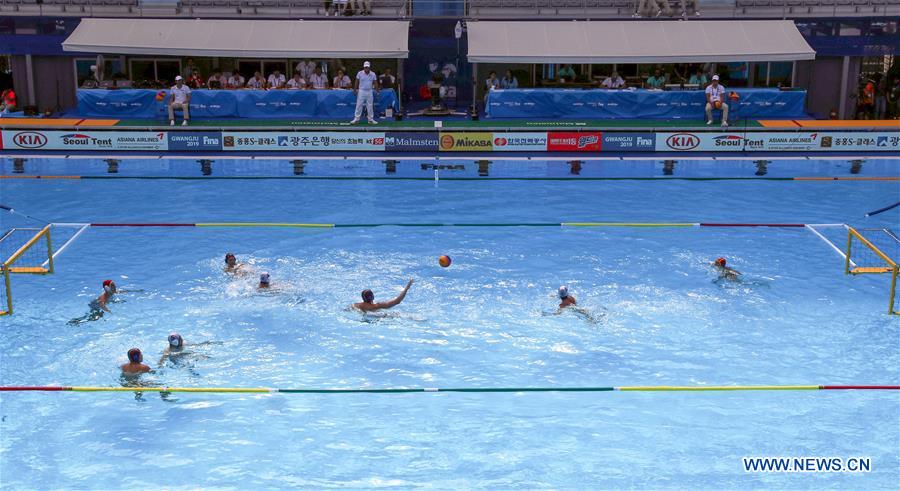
[[242, 38], [636, 41]]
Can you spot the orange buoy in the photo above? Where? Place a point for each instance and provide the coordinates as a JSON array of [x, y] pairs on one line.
[[444, 261]]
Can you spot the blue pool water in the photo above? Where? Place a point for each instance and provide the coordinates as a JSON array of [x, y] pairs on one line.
[[487, 321]]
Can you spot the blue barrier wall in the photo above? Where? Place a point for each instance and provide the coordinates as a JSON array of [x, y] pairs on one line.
[[142, 103], [638, 104]]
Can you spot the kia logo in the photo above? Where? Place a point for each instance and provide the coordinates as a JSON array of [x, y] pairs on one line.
[[30, 139], [682, 141]]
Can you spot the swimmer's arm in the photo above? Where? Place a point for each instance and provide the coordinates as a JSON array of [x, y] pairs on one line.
[[102, 303], [162, 358], [396, 301]]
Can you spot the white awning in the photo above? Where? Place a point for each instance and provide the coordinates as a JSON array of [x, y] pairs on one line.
[[636, 41], [242, 38]]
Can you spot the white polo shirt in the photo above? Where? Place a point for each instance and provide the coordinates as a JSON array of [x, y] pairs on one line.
[[180, 93], [236, 81], [296, 84], [318, 81], [366, 80], [255, 83], [276, 81], [716, 93]]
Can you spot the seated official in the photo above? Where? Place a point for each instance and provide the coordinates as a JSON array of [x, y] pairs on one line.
[[8, 102], [341, 81], [195, 81], [509, 81], [657, 80], [180, 98], [715, 98], [698, 78], [257, 82], [318, 80], [236, 81], [567, 73], [614, 81], [492, 82], [296, 82], [276, 80], [387, 80], [217, 81]]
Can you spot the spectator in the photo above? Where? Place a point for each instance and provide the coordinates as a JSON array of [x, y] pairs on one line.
[[715, 98], [613, 81], [276, 80], [180, 98], [8, 101], [342, 81], [509, 81], [386, 80], [195, 81], [236, 81], [881, 97], [366, 81], [492, 82], [867, 99], [189, 69], [305, 69], [567, 73], [340, 7], [698, 78], [895, 98], [317, 80], [257, 82], [217, 81], [297, 82], [657, 80]]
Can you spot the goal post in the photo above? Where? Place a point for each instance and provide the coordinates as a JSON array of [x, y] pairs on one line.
[[866, 254]]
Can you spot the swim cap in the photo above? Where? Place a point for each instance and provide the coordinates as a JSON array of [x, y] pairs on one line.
[[368, 296], [229, 255], [264, 279], [135, 356], [175, 340], [720, 261], [107, 286], [563, 291]]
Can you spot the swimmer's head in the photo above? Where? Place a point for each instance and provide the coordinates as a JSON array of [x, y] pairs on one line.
[[175, 340], [264, 279], [109, 286], [368, 296], [135, 356], [563, 292], [720, 262], [230, 259]]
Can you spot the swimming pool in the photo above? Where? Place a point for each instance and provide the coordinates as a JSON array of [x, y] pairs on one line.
[[487, 321]]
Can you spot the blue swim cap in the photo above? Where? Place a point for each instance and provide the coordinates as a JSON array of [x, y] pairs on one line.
[[563, 291], [135, 356]]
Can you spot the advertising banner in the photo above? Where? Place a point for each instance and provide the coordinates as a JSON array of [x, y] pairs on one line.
[[629, 142], [195, 140], [424, 141], [520, 142], [573, 141], [466, 142], [84, 140], [777, 141], [312, 140]]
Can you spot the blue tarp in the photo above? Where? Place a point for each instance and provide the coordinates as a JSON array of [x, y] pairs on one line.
[[142, 103], [638, 104]]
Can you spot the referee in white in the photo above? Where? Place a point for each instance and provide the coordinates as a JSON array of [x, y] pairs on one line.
[[366, 83]]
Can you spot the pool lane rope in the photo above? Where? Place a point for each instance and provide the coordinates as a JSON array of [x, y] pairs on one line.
[[486, 225], [631, 388]]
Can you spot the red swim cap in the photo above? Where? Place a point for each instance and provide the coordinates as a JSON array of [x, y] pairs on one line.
[[720, 261], [107, 282]]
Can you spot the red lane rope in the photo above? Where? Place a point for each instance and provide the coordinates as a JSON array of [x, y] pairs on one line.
[[11, 388], [859, 387], [143, 225], [752, 225]]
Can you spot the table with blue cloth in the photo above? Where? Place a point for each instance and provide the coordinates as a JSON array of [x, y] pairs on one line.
[[220, 104], [639, 104]]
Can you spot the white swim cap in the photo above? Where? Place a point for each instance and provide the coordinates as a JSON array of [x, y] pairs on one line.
[[264, 278], [563, 291], [175, 339]]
